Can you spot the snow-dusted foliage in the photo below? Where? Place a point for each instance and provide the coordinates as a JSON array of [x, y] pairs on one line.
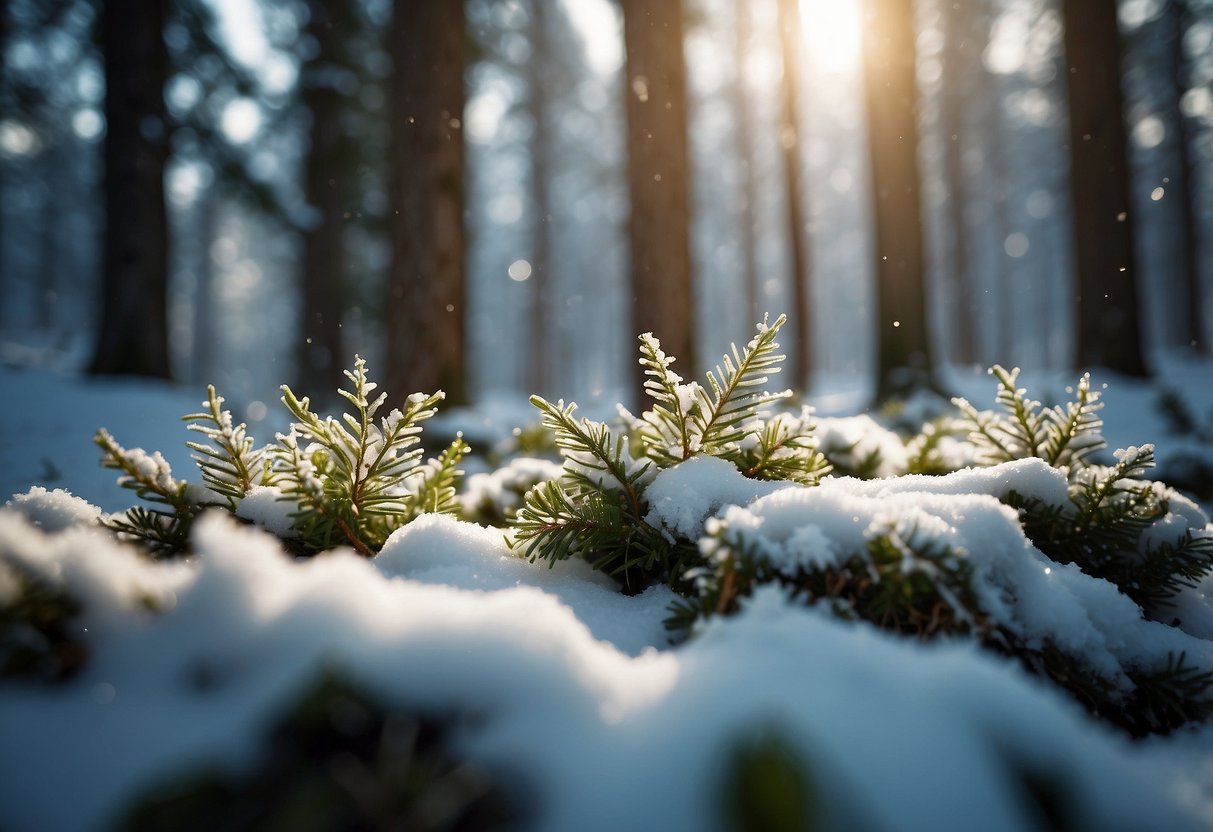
[[963, 632], [1143, 536], [494, 497], [919, 555], [348, 481], [599, 508], [243, 681]]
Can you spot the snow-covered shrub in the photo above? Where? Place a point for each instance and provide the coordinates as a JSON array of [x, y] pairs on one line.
[[859, 446], [325, 482], [1144, 537], [340, 758], [62, 586], [492, 498], [1039, 554], [264, 684], [599, 508]]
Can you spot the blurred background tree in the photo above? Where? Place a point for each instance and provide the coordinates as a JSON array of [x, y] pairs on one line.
[[469, 192]]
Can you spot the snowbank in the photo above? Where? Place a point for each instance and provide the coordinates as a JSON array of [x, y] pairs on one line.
[[889, 734]]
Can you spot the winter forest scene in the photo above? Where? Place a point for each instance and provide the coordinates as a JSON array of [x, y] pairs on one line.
[[674, 415]]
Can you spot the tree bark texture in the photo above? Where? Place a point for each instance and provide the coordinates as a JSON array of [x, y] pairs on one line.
[[658, 177], [426, 293], [204, 366], [1107, 308], [962, 58], [903, 350], [5, 105], [541, 240], [1182, 179], [745, 153], [320, 354], [791, 36], [133, 332]]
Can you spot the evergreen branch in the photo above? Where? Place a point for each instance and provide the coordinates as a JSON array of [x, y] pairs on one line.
[[1076, 427], [1170, 697], [148, 475], [436, 493], [718, 415], [1064, 436], [983, 430], [1169, 567], [786, 450], [163, 533], [1025, 425], [555, 527], [350, 483], [665, 426], [588, 447], [229, 465], [1102, 485]]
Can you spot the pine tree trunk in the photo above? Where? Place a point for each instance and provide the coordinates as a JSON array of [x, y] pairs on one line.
[[541, 150], [5, 104], [961, 59], [791, 36], [903, 352], [996, 151], [426, 283], [205, 337], [745, 153], [1108, 330], [320, 355], [46, 274], [1181, 185], [133, 333], [658, 177]]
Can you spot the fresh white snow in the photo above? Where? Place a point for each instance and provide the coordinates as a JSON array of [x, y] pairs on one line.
[[576, 692]]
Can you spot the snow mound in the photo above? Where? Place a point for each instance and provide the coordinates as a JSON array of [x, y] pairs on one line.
[[682, 497], [1036, 598], [950, 735], [435, 549], [264, 506], [860, 443], [54, 511]]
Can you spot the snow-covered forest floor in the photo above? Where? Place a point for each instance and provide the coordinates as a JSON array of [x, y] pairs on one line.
[[559, 701]]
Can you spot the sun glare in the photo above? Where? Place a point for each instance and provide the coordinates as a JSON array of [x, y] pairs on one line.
[[831, 33]]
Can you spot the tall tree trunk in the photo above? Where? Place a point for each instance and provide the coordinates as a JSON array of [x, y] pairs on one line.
[[961, 60], [206, 217], [133, 334], [1182, 175], [1004, 279], [903, 352], [426, 284], [1108, 330], [5, 105], [46, 273], [745, 152], [320, 355], [658, 177], [541, 151], [791, 36]]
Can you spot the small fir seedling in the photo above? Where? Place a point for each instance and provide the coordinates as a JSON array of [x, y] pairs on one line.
[[227, 460], [164, 525], [1065, 436], [903, 581], [340, 758], [39, 636], [352, 480], [1110, 506], [914, 583], [597, 510]]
